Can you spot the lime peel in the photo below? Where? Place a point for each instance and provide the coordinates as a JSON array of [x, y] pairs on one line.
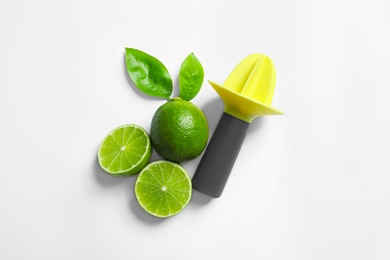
[[179, 130]]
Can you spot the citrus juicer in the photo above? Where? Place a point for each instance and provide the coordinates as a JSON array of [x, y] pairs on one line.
[[247, 93]]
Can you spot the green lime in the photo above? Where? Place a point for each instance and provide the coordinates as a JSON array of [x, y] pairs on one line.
[[125, 151], [163, 188], [179, 130]]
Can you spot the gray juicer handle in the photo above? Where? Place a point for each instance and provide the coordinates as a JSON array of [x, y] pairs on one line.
[[217, 162]]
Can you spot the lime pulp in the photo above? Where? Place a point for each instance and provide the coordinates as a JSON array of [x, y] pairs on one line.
[[163, 188], [125, 151]]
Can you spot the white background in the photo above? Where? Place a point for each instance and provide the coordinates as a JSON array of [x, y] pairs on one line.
[[312, 184]]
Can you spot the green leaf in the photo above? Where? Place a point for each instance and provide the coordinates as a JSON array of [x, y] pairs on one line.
[[190, 78], [148, 74]]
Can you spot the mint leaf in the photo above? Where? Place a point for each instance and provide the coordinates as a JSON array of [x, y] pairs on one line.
[[148, 74], [190, 77]]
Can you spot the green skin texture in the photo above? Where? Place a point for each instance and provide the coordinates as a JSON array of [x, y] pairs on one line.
[[179, 131]]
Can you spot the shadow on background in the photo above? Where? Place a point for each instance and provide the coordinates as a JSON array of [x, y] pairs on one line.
[[255, 125], [107, 181], [199, 199], [104, 178], [213, 110], [176, 88], [141, 213]]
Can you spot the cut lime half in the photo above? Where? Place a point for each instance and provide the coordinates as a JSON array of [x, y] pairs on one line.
[[163, 188], [125, 151]]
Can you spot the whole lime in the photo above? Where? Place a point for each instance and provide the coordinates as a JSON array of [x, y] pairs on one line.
[[179, 130]]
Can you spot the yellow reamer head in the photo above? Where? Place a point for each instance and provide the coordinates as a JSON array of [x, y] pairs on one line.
[[248, 91]]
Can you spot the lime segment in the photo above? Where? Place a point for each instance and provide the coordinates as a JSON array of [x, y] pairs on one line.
[[163, 188], [125, 151]]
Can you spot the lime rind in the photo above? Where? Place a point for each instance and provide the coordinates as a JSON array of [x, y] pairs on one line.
[[121, 154], [163, 189], [179, 131]]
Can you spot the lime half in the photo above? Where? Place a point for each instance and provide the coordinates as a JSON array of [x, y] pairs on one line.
[[125, 151], [163, 188]]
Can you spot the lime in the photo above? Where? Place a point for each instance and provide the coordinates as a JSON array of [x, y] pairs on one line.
[[163, 188], [179, 130], [125, 151]]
